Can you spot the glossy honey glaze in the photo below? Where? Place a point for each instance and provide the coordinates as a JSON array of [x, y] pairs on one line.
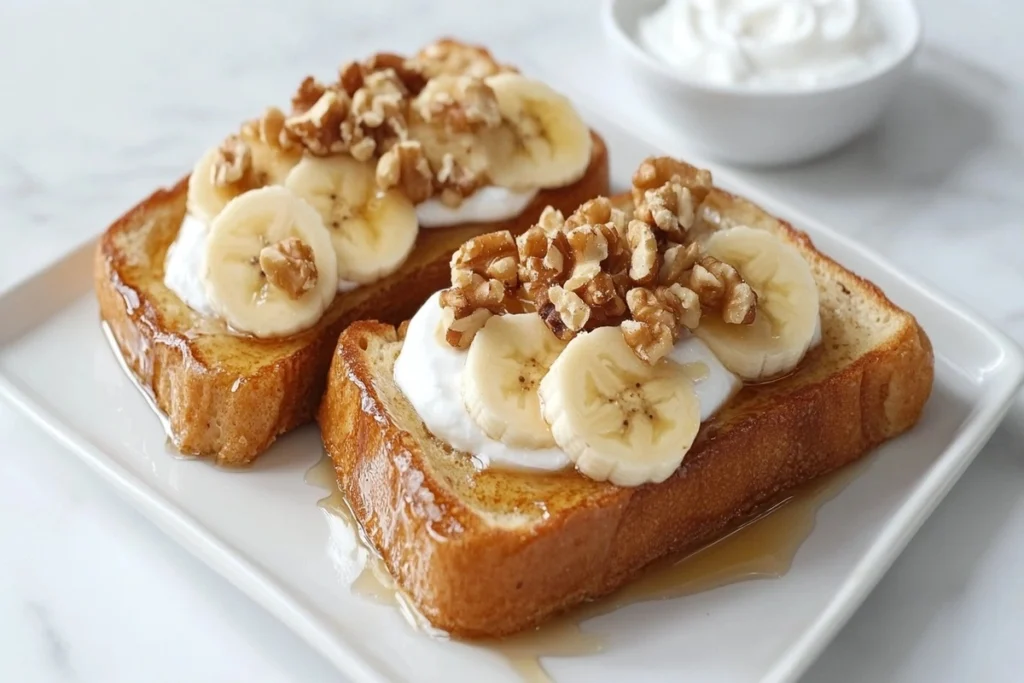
[[763, 547]]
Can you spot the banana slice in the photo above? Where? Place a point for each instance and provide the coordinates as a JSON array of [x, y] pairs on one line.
[[787, 305], [504, 365], [269, 266], [617, 418], [373, 232], [266, 165], [545, 142]]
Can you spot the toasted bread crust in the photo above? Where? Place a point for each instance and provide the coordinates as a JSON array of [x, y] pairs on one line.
[[472, 578], [230, 397]]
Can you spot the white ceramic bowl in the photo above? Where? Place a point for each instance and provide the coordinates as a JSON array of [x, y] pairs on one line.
[[763, 127]]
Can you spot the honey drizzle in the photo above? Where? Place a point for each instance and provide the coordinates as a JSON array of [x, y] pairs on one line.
[[763, 547]]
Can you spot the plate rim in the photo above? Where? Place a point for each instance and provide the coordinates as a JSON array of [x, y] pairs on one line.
[[983, 419]]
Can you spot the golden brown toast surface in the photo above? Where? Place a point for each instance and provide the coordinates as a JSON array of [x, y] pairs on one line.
[[492, 552], [230, 396]]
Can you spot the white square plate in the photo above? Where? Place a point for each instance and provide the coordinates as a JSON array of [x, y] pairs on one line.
[[262, 530]]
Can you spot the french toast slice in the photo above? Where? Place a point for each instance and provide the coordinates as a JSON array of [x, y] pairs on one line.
[[488, 553], [229, 396]]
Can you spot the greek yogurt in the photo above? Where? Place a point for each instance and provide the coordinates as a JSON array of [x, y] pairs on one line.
[[767, 43], [486, 205], [183, 267], [429, 372]]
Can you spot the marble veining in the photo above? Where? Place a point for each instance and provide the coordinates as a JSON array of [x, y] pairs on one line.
[[104, 100]]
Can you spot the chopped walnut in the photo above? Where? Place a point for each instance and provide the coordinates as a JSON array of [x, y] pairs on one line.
[[589, 248], [404, 166], [565, 313], [233, 163], [350, 77], [678, 261], [620, 220], [659, 316], [544, 259], [643, 267], [362, 148], [318, 129], [460, 103], [669, 208], [448, 56], [592, 212], [290, 266], [459, 332], [309, 93], [484, 270], [479, 255], [456, 180], [719, 286], [650, 342], [407, 71], [655, 172], [380, 101], [604, 296], [551, 220], [269, 129]]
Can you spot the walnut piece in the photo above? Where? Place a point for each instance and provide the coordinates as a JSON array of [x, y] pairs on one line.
[[551, 220], [643, 266], [380, 101], [456, 180], [544, 259], [669, 208], [591, 212], [459, 103], [269, 130], [655, 172], [659, 316], [604, 296], [565, 313], [233, 162], [479, 254], [484, 272], [449, 56], [407, 71], [309, 93], [318, 129], [404, 166], [677, 262], [459, 332], [719, 286], [589, 248], [290, 266]]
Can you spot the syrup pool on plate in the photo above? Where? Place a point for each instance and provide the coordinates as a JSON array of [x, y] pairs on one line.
[[763, 547]]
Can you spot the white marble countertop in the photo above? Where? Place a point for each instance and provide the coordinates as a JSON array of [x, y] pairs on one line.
[[104, 100]]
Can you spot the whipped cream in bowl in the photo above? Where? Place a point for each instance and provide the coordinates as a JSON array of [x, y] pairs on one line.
[[766, 43], [765, 82]]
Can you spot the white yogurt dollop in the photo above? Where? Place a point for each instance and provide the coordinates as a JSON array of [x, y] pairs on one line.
[[487, 204], [429, 373], [183, 268], [766, 43]]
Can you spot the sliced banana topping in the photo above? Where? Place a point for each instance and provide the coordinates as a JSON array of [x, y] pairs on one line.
[[545, 142], [504, 367], [617, 418], [373, 232], [241, 163], [269, 266], [787, 305]]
